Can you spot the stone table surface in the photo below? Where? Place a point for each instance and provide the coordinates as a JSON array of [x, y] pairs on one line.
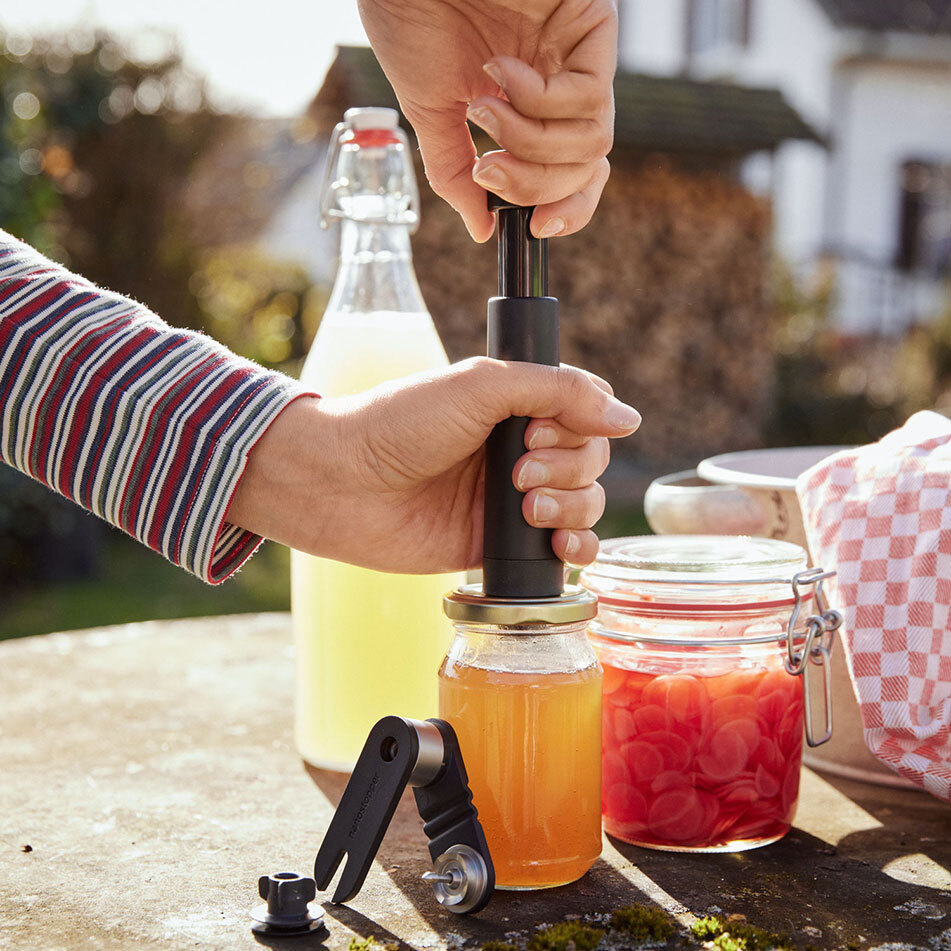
[[148, 777]]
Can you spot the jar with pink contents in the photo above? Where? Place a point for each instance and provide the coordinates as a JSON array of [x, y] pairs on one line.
[[701, 639]]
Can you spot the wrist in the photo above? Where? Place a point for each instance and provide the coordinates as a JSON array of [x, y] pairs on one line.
[[288, 487]]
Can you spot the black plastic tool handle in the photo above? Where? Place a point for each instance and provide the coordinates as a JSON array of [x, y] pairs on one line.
[[518, 561], [400, 752], [445, 805]]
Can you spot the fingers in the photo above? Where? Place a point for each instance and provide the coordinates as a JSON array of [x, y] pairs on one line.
[[527, 183], [575, 547], [496, 390], [571, 214], [538, 140], [546, 433], [562, 468], [565, 94], [560, 508], [448, 157], [555, 129]]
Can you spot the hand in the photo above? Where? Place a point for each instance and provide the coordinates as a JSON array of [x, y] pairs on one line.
[[534, 74], [393, 478]]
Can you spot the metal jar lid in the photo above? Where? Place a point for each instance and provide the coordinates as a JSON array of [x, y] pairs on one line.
[[468, 604]]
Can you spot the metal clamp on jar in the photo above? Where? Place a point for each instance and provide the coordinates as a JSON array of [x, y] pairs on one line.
[[521, 684]]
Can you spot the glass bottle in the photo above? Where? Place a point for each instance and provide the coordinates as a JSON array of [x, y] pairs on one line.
[[702, 718], [368, 643], [521, 686]]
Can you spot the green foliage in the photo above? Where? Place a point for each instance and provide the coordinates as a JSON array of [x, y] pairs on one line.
[[642, 922], [263, 309], [734, 934], [566, 936], [63, 95], [829, 391], [498, 946]]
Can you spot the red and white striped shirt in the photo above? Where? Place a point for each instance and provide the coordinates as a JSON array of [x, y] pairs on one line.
[[147, 426]]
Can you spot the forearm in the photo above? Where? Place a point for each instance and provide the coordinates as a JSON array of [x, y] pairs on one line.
[[146, 426]]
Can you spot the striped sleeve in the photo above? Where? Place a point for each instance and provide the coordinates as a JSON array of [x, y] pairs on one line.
[[144, 425]]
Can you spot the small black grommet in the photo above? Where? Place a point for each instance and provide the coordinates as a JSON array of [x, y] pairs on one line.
[[287, 911]]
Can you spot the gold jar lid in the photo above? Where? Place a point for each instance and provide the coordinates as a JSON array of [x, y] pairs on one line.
[[467, 603]]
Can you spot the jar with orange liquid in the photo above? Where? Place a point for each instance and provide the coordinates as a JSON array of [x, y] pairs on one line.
[[521, 686]]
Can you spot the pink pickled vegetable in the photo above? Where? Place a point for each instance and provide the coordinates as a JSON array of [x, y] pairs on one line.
[[694, 761]]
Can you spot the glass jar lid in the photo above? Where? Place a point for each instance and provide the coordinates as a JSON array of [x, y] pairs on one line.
[[659, 573]]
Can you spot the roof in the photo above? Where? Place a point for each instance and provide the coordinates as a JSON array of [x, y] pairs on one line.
[[689, 115], [655, 113], [903, 16]]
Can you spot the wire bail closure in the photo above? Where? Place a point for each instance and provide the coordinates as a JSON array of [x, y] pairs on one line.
[[331, 183], [815, 638]]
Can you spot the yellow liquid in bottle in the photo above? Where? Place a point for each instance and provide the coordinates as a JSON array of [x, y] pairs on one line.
[[532, 748], [368, 643]]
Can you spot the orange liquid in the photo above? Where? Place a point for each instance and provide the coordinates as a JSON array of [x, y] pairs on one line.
[[532, 749]]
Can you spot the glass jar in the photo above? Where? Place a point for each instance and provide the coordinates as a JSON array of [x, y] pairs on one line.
[[524, 697], [702, 722]]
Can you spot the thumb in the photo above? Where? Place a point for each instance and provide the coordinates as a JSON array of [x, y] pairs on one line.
[[566, 394], [448, 157]]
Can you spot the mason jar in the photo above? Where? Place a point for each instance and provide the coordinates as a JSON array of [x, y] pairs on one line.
[[703, 714], [521, 686]]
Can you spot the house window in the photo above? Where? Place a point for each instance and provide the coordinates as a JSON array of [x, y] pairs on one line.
[[924, 228], [717, 25]]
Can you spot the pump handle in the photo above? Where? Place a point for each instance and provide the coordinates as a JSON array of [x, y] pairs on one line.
[[518, 560]]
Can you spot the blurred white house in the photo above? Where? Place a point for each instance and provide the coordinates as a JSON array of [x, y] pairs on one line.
[[874, 77]]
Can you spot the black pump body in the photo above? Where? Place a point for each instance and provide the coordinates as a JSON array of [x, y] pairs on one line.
[[518, 561]]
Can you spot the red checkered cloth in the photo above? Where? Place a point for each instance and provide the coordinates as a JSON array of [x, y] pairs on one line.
[[880, 516]]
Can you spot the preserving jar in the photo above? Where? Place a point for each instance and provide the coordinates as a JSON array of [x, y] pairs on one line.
[[703, 713], [521, 686]]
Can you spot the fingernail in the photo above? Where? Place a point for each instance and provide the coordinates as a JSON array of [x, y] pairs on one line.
[[494, 73], [532, 474], [543, 438], [623, 416], [573, 545], [552, 227], [484, 118], [545, 508], [491, 176]]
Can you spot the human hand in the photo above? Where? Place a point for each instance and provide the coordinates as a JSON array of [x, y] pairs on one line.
[[393, 478], [534, 74]]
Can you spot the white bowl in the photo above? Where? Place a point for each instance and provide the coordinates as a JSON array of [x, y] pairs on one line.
[[768, 479]]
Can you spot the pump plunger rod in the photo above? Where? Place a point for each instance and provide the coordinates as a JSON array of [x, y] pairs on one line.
[[523, 259], [518, 560]]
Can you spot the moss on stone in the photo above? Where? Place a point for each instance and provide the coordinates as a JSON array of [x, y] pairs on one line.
[[734, 934], [371, 944], [566, 936], [640, 921]]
